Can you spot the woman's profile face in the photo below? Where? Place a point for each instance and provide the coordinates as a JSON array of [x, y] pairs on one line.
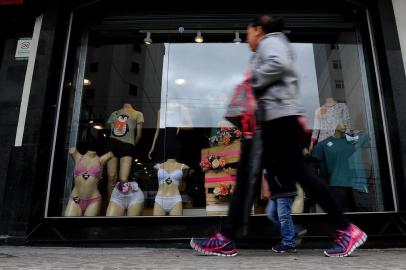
[[254, 35]]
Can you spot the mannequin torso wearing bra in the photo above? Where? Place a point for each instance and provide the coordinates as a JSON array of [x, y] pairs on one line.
[[85, 198], [87, 171], [170, 174]]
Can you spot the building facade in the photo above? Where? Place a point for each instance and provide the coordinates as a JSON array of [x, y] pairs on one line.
[[113, 117]]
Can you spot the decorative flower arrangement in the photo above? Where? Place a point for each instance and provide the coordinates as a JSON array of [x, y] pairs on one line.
[[213, 162], [225, 136], [223, 192]]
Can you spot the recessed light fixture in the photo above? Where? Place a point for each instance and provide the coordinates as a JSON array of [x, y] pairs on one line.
[[147, 39], [237, 39], [180, 81], [87, 82], [98, 127], [198, 37]]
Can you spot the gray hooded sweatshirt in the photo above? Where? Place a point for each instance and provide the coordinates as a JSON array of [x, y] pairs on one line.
[[274, 80]]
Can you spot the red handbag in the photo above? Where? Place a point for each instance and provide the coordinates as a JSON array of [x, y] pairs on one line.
[[241, 109]]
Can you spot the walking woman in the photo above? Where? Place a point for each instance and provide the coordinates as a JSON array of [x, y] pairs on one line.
[[275, 86]]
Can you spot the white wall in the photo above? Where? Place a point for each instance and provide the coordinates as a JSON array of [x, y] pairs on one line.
[[399, 7]]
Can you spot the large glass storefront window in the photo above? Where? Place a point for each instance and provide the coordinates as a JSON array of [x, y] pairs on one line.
[[142, 132]]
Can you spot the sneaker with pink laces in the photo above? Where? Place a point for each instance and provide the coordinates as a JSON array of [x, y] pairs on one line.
[[217, 245], [346, 242]]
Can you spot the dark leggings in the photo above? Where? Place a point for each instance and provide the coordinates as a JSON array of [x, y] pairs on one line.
[[235, 215], [282, 145]]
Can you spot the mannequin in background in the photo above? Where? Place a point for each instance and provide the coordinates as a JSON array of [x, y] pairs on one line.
[[168, 199], [170, 142], [126, 126], [159, 148], [326, 119], [343, 172], [85, 198]]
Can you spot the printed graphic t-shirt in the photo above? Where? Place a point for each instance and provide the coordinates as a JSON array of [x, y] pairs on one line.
[[123, 124], [326, 123]]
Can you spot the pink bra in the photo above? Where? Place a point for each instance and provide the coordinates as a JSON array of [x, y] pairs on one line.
[[95, 170]]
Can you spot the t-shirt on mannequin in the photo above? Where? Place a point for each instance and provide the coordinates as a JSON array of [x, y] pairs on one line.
[[85, 198], [127, 197], [168, 199], [345, 173]]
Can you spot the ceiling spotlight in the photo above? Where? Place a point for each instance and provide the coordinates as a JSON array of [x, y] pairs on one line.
[[147, 39], [237, 39], [87, 82], [180, 81], [98, 127], [198, 37]]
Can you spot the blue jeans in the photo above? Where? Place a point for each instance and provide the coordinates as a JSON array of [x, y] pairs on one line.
[[278, 211]]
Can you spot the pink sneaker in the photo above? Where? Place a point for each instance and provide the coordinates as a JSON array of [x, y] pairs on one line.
[[346, 242], [217, 245]]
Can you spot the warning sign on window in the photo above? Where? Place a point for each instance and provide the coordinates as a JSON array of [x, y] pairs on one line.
[[23, 49]]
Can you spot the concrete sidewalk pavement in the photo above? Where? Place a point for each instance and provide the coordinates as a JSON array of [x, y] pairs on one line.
[[55, 258]]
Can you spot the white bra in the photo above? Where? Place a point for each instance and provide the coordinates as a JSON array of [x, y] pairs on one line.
[[165, 177]]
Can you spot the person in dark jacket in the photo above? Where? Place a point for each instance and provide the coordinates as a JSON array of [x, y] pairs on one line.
[[275, 86]]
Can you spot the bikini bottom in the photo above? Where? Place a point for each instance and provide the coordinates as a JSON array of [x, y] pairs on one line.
[[85, 203]]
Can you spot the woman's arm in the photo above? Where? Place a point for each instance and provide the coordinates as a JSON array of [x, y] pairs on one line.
[[139, 132], [74, 153], [104, 158]]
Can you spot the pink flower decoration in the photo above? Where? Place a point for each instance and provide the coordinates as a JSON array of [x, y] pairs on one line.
[[238, 133]]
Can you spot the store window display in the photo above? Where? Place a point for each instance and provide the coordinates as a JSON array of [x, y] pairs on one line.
[[85, 198], [126, 197], [170, 112]]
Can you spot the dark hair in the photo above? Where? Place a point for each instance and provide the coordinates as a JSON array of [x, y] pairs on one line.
[[90, 144], [269, 24]]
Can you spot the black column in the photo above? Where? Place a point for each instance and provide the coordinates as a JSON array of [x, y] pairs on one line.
[[393, 87], [27, 175], [15, 22]]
